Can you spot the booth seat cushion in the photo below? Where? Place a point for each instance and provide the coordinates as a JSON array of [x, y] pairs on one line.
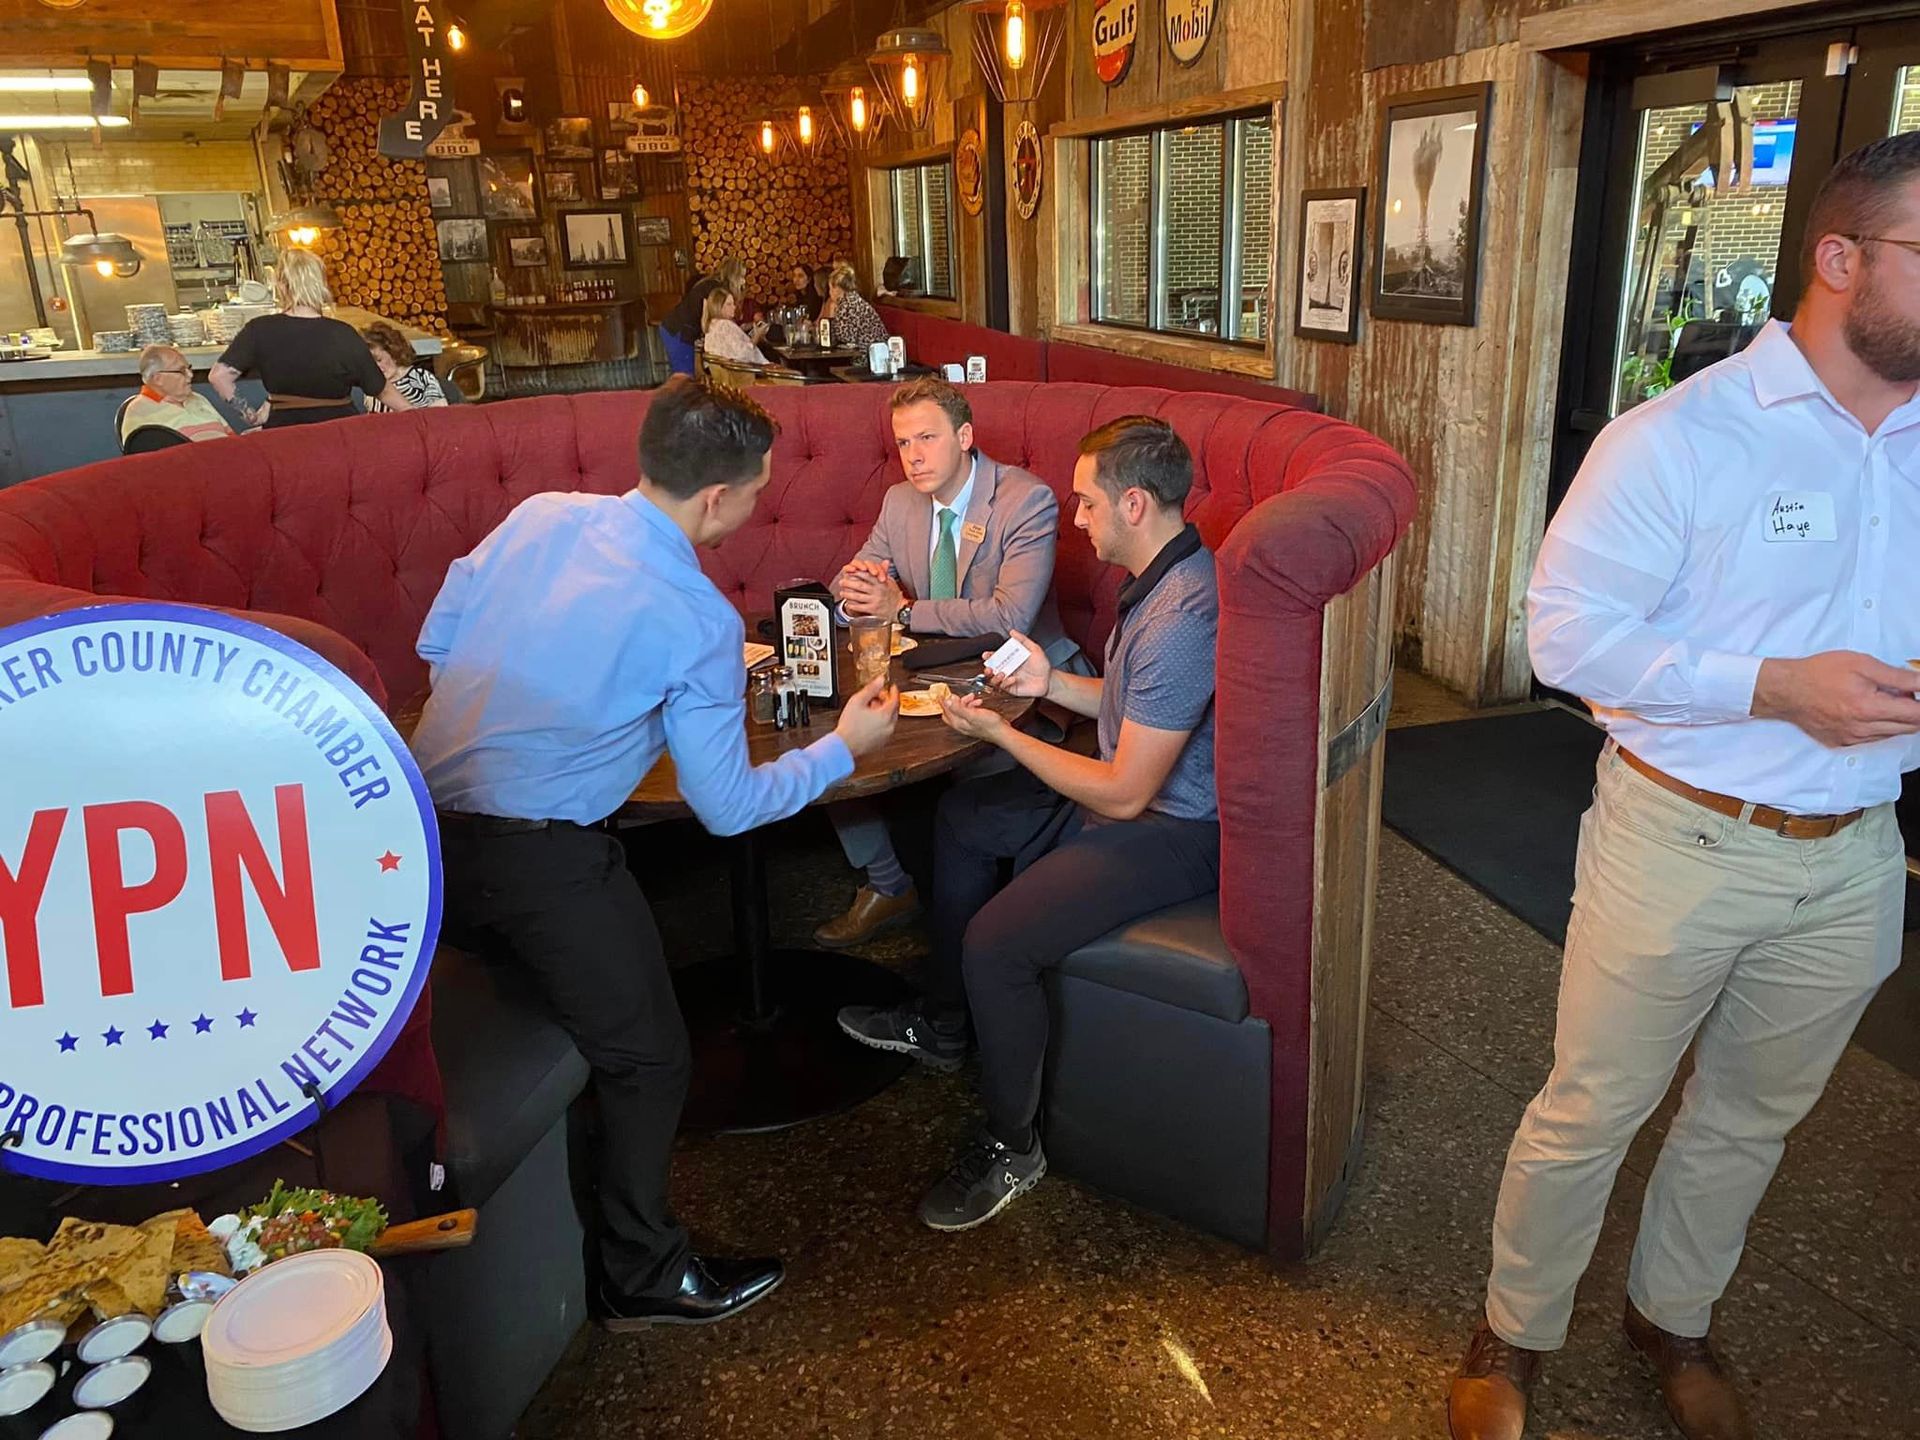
[[936, 340], [1175, 956], [1107, 367], [510, 1072]]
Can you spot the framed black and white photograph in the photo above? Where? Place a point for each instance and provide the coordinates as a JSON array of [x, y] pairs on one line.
[[506, 186], [594, 239], [570, 137], [527, 251], [462, 239], [439, 192], [1426, 230], [1327, 304], [563, 186], [618, 178]]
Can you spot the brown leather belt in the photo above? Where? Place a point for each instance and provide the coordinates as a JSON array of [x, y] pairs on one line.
[[307, 402], [1780, 822]]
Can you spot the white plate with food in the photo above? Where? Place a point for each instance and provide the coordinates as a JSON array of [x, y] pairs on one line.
[[922, 703]]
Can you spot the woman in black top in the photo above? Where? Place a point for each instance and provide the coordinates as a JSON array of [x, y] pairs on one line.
[[681, 328], [309, 363]]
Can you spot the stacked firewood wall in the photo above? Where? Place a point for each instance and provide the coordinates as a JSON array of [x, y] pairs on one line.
[[772, 211], [385, 256]]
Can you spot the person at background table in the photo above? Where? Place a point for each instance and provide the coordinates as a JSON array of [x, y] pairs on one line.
[[395, 356], [723, 334], [1095, 840], [167, 404], [804, 296], [964, 546], [685, 321], [309, 362], [1730, 585], [576, 645], [822, 291], [856, 324]]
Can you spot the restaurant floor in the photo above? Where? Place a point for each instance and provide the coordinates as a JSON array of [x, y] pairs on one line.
[[1074, 1315]]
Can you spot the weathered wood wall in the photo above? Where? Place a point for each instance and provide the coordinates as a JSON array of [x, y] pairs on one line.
[[300, 34]]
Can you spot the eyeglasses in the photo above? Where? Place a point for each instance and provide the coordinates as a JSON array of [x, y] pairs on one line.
[[1912, 245], [171, 371]]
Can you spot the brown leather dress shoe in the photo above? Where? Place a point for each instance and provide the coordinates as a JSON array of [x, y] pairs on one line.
[[1489, 1396], [1700, 1397], [870, 913]]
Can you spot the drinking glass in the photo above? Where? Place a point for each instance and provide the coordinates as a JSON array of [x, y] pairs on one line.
[[872, 646]]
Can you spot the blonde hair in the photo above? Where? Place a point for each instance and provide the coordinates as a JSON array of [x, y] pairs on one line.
[[732, 274], [301, 279], [711, 307], [844, 279]]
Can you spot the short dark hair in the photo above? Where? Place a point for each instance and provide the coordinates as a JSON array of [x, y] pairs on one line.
[[392, 339], [1138, 452], [932, 387], [696, 435], [1859, 195]]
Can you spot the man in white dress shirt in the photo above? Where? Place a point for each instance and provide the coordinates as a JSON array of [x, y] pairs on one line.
[[1731, 585]]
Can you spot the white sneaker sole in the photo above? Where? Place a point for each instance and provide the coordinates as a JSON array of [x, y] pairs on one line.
[[900, 1047], [1005, 1200]]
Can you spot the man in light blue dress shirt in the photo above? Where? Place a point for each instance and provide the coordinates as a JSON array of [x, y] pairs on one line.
[[578, 642]]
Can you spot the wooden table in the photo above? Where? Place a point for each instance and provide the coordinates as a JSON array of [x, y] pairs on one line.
[[812, 357], [767, 1047]]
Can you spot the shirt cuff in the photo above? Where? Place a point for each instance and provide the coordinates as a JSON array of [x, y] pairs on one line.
[[836, 760], [1723, 685]]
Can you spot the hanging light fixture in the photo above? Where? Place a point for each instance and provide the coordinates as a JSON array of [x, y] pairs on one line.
[[769, 135], [855, 108], [108, 254], [640, 95], [803, 125], [1016, 43], [303, 226], [660, 19], [910, 66], [456, 37]]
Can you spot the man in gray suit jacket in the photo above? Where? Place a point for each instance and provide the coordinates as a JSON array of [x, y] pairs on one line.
[[963, 546]]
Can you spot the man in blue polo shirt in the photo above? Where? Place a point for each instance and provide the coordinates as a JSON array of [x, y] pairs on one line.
[[574, 646], [1096, 840]]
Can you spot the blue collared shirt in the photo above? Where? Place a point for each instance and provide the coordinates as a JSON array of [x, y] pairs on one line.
[[573, 646]]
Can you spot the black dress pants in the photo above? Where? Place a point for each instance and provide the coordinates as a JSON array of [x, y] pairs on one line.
[[1076, 877], [559, 906]]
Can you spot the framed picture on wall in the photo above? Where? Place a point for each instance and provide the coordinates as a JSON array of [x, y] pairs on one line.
[[506, 186], [462, 239], [570, 137], [594, 239], [563, 186], [1426, 224], [1327, 303], [618, 178], [527, 251], [439, 192]]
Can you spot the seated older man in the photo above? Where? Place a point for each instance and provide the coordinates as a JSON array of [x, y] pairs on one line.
[[168, 401]]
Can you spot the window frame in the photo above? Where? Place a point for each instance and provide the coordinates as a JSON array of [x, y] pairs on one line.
[[942, 162], [1233, 124]]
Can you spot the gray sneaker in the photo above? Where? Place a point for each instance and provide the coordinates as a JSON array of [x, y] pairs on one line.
[[982, 1181]]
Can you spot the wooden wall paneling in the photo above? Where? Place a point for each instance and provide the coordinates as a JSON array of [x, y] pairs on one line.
[[1356, 664], [1252, 36], [300, 34], [1567, 24], [971, 275], [1025, 238]]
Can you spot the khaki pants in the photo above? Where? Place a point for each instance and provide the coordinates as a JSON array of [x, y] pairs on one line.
[[1685, 921]]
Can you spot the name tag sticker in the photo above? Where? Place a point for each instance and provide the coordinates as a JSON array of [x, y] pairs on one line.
[[1796, 516], [977, 533]]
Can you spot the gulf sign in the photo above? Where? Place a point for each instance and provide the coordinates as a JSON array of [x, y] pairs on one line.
[[1116, 25], [219, 891]]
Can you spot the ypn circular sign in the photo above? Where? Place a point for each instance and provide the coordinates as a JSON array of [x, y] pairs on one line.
[[219, 891]]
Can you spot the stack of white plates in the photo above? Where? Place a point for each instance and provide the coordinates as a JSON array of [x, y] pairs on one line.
[[114, 342], [237, 314], [297, 1341], [214, 324], [187, 329], [149, 324]]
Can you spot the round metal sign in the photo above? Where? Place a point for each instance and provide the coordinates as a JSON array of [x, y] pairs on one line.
[[1189, 23], [1116, 25]]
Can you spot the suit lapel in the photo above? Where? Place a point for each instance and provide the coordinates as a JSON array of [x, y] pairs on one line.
[[973, 525], [915, 562]]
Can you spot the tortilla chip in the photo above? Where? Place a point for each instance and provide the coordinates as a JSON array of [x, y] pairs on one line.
[[18, 1259], [107, 1299], [50, 1289], [142, 1273], [195, 1249], [90, 1244]]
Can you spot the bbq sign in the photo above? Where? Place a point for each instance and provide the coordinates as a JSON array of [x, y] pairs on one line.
[[219, 891]]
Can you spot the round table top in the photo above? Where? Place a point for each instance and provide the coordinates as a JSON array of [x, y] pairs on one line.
[[920, 747], [814, 355]]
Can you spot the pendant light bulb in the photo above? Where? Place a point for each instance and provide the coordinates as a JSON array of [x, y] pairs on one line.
[[640, 96], [767, 137], [456, 38], [857, 109], [910, 82], [1016, 35], [805, 124], [103, 268]]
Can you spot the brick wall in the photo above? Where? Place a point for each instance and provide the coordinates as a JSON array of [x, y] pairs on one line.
[[1907, 116], [1128, 229], [145, 167], [936, 181]]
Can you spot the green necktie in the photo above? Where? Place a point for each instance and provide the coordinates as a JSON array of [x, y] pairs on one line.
[[944, 560]]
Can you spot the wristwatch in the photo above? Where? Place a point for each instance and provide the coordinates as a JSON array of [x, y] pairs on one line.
[[903, 615]]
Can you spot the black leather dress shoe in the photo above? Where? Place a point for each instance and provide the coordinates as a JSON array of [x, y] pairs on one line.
[[713, 1288]]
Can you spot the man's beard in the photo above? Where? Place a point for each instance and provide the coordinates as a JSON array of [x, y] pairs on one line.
[[1882, 339]]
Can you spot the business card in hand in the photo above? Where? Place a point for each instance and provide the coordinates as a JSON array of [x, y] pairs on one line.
[[1008, 658]]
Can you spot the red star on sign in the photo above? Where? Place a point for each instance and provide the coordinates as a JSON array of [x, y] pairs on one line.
[[389, 861]]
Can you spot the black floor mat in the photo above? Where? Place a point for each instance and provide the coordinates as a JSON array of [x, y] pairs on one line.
[[1498, 800]]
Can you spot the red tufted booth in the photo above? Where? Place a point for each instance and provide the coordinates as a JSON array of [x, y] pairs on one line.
[[340, 535]]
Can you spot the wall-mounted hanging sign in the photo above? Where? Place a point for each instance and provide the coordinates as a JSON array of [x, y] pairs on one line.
[[222, 897], [969, 173], [457, 141], [656, 131], [430, 103], [1116, 25], [1027, 169], [1189, 23]]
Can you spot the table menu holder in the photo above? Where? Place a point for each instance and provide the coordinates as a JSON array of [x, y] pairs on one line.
[[805, 611]]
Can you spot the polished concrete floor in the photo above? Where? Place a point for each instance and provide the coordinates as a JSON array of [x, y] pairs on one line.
[[1074, 1315]]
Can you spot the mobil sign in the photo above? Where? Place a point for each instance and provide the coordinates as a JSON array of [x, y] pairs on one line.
[[219, 891]]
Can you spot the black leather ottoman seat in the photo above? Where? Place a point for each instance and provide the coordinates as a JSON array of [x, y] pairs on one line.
[[1157, 1079]]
